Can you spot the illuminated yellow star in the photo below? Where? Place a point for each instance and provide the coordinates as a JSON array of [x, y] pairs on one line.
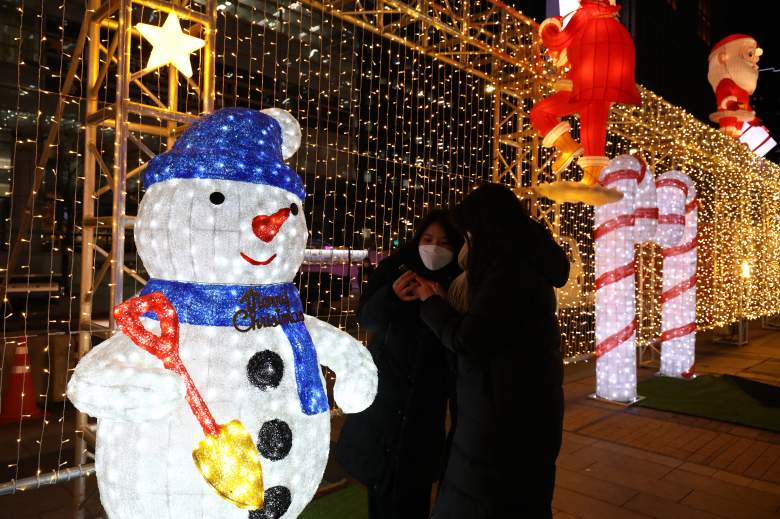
[[170, 45]]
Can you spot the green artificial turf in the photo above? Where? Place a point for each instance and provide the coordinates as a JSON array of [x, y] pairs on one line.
[[348, 503], [726, 398]]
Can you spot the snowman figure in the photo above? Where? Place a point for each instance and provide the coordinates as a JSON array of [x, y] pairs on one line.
[[222, 233]]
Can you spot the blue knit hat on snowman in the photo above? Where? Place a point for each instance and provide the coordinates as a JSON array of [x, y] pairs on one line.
[[234, 144]]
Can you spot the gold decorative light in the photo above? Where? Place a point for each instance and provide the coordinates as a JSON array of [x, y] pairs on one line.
[[170, 45], [745, 269], [231, 464]]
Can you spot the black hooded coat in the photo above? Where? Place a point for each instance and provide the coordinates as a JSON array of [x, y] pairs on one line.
[[400, 438], [509, 386]]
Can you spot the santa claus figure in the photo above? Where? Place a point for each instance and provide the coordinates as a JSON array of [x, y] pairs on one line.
[[733, 73], [599, 55]]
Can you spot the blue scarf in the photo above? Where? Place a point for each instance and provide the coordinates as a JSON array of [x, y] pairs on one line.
[[247, 308]]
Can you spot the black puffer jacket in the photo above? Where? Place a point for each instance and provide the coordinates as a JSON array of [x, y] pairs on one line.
[[401, 435], [509, 387]]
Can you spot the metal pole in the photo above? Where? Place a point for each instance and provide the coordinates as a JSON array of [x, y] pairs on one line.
[[208, 81], [53, 478], [536, 171], [497, 167], [173, 98], [767, 323], [426, 21], [87, 247], [497, 92], [117, 257]]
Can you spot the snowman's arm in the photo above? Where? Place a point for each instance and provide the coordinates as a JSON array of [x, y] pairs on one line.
[[119, 381], [356, 376]]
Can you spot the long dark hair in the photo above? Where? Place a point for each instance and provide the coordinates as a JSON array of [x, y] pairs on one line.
[[495, 223]]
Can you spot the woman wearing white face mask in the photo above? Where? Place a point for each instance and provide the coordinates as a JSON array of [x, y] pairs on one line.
[[396, 446]]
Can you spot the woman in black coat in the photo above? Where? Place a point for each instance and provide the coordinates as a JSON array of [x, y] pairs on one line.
[[396, 446], [509, 367]]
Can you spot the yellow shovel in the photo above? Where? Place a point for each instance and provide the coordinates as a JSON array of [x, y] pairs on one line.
[[227, 457]]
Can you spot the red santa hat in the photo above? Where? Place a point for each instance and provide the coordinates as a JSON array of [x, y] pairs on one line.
[[730, 39]]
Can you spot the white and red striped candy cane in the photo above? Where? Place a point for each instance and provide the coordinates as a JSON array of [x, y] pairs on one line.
[[614, 238], [677, 236], [645, 206], [663, 211]]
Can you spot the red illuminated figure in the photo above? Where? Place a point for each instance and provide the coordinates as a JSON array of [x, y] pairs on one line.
[[599, 54]]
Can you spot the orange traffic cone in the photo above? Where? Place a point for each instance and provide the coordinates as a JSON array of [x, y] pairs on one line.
[[19, 401]]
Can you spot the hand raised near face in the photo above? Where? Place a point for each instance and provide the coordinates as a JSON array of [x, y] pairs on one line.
[[427, 288], [405, 287]]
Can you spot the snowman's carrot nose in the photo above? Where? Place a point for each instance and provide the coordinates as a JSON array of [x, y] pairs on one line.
[[265, 227]]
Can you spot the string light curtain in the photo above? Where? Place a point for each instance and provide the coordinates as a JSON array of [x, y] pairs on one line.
[[388, 133], [37, 42]]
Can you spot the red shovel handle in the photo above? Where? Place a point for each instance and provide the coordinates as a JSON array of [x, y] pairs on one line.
[[165, 346]]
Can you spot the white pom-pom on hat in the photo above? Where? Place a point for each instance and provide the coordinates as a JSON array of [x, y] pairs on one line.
[[291, 130]]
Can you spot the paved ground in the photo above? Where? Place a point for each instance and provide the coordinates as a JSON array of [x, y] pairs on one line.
[[616, 462], [638, 462]]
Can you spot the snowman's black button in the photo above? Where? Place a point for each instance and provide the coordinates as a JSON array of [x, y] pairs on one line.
[[276, 502], [265, 369], [216, 198], [274, 440]]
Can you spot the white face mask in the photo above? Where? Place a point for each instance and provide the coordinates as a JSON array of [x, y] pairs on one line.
[[435, 257]]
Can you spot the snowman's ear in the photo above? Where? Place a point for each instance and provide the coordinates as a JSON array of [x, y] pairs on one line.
[[291, 130]]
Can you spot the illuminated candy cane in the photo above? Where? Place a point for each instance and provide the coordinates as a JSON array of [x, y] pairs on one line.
[[614, 238], [678, 213], [663, 211]]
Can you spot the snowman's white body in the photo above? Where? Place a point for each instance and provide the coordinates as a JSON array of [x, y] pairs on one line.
[[146, 430], [145, 469]]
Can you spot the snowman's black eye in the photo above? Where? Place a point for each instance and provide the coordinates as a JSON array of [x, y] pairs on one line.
[[216, 198], [294, 209]]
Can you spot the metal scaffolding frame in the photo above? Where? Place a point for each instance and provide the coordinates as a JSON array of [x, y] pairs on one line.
[[488, 40]]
